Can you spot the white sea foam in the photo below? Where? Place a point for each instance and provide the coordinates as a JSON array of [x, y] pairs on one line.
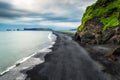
[[8, 69], [51, 37]]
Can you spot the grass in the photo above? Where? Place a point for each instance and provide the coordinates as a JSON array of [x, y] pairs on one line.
[[86, 17], [111, 21], [111, 10]]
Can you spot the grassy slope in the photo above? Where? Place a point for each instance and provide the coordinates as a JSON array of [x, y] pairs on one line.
[[108, 14]]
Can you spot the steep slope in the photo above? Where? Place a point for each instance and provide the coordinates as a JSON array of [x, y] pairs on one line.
[[101, 23]]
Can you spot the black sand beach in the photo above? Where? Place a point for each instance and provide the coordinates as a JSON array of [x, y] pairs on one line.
[[67, 61]]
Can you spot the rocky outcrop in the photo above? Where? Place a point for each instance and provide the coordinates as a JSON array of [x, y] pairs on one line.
[[91, 33], [115, 54], [101, 23]]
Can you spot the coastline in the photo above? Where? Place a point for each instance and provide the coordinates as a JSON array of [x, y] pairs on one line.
[[28, 62], [65, 63], [67, 60]]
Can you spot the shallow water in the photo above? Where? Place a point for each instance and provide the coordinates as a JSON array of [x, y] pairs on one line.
[[16, 45]]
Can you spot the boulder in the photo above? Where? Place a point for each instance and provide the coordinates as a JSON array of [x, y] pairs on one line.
[[115, 54]]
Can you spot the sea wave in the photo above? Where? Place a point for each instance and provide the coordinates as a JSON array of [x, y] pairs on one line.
[[51, 37]]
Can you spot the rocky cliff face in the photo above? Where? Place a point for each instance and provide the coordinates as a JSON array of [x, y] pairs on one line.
[[100, 23]]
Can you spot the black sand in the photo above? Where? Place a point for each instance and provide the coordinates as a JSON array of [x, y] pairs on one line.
[[67, 61]]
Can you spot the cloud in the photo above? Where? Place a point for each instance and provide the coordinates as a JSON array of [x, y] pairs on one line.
[[4, 5], [9, 11], [60, 24], [64, 13]]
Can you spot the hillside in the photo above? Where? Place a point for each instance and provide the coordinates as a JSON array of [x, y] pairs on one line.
[[100, 23]]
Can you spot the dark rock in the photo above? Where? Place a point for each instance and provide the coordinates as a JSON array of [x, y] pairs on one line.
[[107, 35], [115, 54], [77, 37], [102, 27], [92, 32]]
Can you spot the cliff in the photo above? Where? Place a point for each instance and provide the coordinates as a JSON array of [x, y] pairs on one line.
[[100, 23]]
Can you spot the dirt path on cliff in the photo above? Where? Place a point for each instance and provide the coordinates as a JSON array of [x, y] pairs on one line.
[[67, 61]]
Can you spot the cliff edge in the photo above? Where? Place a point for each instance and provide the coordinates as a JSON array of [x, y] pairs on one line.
[[100, 23]]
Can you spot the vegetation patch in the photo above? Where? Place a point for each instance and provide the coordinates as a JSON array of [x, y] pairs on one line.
[[107, 13]]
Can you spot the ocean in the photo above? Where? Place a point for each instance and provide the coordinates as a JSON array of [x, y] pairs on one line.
[[17, 46]]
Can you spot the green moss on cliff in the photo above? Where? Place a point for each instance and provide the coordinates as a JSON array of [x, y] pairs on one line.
[[87, 16], [111, 21], [107, 11]]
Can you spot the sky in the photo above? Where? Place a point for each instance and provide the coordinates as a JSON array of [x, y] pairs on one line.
[[57, 14]]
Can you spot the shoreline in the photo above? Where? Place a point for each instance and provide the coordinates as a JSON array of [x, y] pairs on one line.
[[42, 52], [17, 63], [56, 68], [68, 60]]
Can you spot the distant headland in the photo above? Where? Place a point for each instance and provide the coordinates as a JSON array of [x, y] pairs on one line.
[[31, 29]]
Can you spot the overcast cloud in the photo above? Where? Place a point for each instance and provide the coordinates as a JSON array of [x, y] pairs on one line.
[[59, 13]]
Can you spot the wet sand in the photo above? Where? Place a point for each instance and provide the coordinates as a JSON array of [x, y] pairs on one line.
[[67, 61]]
